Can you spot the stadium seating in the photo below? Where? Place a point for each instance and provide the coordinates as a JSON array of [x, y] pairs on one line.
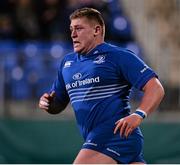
[[8, 50], [31, 66]]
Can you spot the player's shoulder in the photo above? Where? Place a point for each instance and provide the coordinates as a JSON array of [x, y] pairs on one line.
[[70, 56], [118, 52], [67, 59]]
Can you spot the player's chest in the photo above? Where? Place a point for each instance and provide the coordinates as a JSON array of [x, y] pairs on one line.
[[91, 72]]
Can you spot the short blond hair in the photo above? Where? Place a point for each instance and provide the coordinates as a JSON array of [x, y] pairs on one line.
[[90, 14]]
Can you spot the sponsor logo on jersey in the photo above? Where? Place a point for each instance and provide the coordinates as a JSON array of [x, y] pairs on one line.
[[144, 69], [67, 64], [83, 82], [77, 76], [99, 59]]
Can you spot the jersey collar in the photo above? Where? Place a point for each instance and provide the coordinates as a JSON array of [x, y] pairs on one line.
[[99, 49]]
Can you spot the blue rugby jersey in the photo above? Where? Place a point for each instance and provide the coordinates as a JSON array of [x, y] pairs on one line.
[[98, 84]]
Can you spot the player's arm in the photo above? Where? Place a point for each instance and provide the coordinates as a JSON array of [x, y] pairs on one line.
[[153, 94], [51, 104], [55, 101]]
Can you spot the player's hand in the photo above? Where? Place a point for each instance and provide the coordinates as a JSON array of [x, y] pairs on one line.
[[127, 124], [44, 102]]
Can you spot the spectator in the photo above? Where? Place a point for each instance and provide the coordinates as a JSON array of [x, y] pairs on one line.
[[26, 20], [52, 15]]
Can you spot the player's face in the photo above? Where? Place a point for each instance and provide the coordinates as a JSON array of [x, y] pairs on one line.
[[82, 34]]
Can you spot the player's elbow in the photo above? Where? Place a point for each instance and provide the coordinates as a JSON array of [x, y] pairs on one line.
[[57, 107], [158, 90], [155, 89], [161, 91]]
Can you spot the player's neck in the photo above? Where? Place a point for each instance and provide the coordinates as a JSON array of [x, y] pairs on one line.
[[95, 44]]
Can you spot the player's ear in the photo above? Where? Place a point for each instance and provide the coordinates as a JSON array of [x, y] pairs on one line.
[[97, 30]]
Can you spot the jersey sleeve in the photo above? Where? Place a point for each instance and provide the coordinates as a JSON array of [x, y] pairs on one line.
[[134, 70], [59, 88]]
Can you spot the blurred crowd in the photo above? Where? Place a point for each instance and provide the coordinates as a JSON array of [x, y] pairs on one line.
[[166, 14], [49, 19], [29, 63]]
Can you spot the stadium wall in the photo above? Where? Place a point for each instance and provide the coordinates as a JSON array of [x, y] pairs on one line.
[[28, 142]]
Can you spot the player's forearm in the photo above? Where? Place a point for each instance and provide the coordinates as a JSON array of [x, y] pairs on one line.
[[153, 94], [56, 107]]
